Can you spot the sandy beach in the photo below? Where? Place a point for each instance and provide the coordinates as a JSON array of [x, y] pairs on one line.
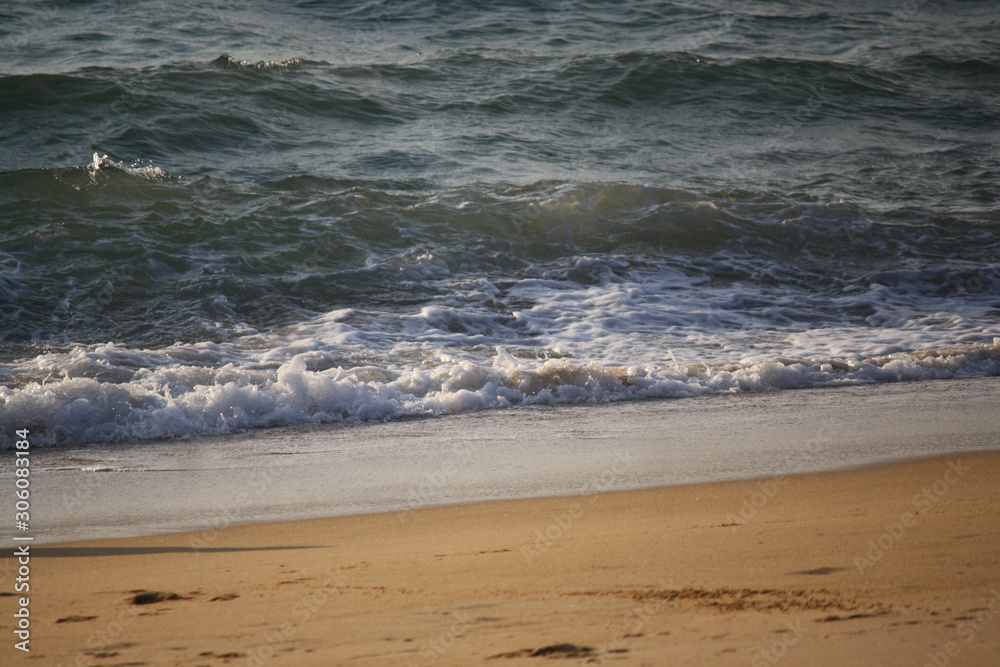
[[499, 333], [894, 564]]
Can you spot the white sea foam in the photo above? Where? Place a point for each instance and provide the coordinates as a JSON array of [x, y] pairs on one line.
[[173, 399], [99, 163]]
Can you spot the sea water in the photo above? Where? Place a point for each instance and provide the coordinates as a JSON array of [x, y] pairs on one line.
[[217, 217]]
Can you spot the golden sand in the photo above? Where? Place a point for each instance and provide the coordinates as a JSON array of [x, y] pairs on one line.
[[897, 564]]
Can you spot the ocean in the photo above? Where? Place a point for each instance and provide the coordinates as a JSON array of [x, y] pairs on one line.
[[219, 216]]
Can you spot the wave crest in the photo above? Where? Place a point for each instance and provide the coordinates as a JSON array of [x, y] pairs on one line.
[[179, 399]]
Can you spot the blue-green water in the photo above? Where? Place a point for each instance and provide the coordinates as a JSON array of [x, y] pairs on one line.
[[216, 216]]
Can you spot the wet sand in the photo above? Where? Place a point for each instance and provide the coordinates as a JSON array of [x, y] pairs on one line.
[[894, 564]]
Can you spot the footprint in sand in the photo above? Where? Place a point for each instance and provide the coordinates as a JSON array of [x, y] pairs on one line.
[[152, 597]]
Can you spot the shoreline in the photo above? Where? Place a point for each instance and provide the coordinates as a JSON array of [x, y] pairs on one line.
[[890, 564], [527, 452]]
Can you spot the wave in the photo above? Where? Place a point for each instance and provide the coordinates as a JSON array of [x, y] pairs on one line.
[[347, 220], [382, 92], [226, 61], [668, 112], [149, 258], [187, 399]]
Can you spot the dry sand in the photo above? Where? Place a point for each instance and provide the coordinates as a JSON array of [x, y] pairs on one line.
[[897, 564]]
